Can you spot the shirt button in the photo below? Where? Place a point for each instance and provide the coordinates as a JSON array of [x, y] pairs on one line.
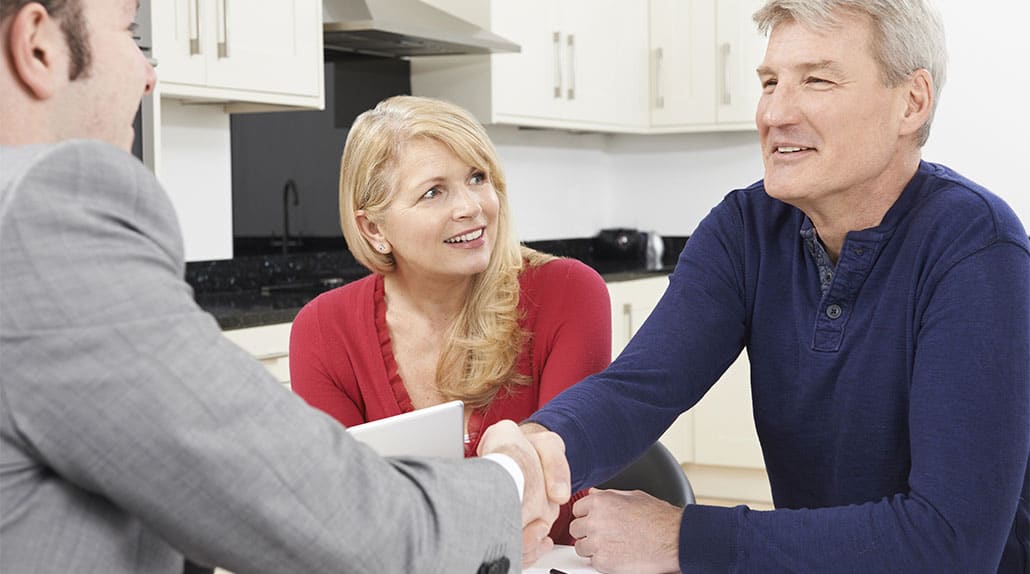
[[833, 311]]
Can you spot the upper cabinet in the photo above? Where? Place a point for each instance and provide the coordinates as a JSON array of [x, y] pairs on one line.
[[235, 51], [610, 66], [579, 64], [233, 56], [741, 49], [580, 67], [703, 59]]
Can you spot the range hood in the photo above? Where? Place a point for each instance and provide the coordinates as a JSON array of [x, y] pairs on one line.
[[402, 28]]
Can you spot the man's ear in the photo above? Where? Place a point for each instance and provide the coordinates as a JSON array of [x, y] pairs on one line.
[[38, 53], [918, 102]]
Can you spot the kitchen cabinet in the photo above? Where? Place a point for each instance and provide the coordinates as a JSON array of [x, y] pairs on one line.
[[614, 66], [724, 417], [703, 59], [632, 303], [581, 67], [579, 64], [253, 52], [728, 464], [716, 440], [234, 56], [269, 344]]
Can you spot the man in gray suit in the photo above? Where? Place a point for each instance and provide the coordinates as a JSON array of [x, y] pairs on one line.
[[131, 431]]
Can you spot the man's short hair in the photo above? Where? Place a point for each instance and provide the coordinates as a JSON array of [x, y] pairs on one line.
[[73, 25]]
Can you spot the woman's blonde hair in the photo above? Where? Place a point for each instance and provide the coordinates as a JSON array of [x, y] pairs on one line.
[[482, 348]]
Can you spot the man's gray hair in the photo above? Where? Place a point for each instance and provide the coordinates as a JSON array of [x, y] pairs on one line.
[[908, 35]]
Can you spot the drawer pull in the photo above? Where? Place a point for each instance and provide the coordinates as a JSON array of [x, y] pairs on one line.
[[272, 355]]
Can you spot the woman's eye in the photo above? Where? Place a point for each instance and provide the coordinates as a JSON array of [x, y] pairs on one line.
[[477, 178], [431, 193]]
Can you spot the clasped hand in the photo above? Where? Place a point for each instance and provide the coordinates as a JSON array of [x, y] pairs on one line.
[[541, 456], [627, 532]]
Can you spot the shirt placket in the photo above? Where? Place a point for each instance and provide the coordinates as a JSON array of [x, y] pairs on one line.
[[839, 296]]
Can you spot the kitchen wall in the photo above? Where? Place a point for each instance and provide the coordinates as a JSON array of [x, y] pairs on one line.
[[982, 123], [196, 173], [571, 185], [269, 148]]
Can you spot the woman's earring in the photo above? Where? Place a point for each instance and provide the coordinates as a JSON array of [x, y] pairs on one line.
[[382, 248]]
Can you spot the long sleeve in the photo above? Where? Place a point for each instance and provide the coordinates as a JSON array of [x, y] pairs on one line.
[[693, 334], [317, 376], [969, 442], [573, 328], [132, 427], [569, 311], [895, 429]]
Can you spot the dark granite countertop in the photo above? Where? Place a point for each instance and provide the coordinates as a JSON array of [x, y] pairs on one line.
[[255, 290]]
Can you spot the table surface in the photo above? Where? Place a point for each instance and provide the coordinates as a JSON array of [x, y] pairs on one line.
[[563, 558]]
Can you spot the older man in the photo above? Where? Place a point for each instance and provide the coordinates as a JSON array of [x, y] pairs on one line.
[[131, 431], [885, 305]]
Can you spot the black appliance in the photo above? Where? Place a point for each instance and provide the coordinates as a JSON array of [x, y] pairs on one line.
[[620, 244]]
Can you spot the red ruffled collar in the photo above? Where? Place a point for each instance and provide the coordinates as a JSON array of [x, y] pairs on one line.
[[393, 377]]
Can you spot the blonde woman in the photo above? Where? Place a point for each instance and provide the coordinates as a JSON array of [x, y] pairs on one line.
[[455, 308]]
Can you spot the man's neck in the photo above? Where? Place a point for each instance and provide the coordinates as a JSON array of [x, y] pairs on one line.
[[860, 208]]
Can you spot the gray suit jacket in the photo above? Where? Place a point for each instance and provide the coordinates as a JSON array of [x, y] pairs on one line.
[[132, 431]]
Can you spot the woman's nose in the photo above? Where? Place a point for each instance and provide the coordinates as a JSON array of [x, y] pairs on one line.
[[466, 204]]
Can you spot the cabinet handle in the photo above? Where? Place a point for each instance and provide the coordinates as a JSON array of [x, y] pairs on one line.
[[193, 13], [272, 355], [659, 99], [572, 67], [725, 50], [223, 29], [556, 45], [627, 314]]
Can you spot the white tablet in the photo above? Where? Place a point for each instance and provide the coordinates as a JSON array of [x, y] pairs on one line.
[[436, 431]]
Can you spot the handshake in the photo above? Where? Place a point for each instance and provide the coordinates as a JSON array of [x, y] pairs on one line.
[[540, 454]]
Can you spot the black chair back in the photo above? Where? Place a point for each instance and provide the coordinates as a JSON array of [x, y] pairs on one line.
[[657, 473]]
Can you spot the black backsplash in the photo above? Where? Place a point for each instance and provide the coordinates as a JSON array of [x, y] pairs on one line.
[[270, 148], [270, 288], [264, 285]]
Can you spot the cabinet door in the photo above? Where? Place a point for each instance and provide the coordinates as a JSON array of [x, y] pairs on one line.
[[682, 62], [531, 83], [582, 61], [179, 45], [269, 344], [724, 424], [740, 51], [266, 46], [632, 303], [605, 61]]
